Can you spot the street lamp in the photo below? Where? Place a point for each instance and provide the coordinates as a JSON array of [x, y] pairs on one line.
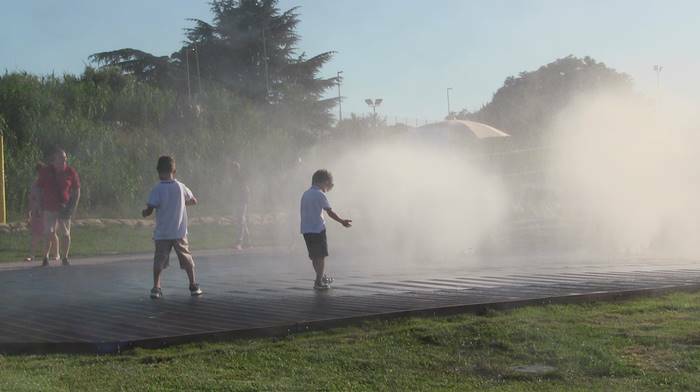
[[449, 112], [658, 69], [373, 105]]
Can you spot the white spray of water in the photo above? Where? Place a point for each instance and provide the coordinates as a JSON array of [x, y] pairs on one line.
[[414, 201], [623, 169], [628, 174]]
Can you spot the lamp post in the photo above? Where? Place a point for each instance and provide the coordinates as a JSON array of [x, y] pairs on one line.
[[449, 112], [658, 69], [373, 105], [340, 99]]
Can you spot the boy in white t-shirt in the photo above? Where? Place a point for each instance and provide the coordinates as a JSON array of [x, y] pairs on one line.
[[313, 226], [169, 198]]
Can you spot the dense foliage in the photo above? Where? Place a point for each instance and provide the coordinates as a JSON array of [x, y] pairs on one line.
[[525, 105], [114, 127]]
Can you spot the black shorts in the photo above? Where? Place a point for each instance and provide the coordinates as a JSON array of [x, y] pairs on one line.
[[317, 244]]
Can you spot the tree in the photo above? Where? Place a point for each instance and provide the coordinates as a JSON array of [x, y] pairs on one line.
[[525, 105], [161, 70], [250, 47]]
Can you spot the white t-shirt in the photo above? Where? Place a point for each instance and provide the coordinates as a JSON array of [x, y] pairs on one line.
[[168, 198], [313, 202]]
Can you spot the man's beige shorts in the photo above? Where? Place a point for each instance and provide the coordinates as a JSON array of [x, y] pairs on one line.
[[161, 259], [54, 224]]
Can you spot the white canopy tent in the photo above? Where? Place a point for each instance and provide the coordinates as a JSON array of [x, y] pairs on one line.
[[450, 129]]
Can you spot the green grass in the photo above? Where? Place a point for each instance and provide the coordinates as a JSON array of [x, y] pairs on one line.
[[651, 344], [116, 239]]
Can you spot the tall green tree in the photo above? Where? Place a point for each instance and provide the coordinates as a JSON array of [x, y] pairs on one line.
[[250, 47], [525, 105]]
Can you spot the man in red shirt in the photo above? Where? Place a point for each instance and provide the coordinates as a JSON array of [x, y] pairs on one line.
[[60, 192]]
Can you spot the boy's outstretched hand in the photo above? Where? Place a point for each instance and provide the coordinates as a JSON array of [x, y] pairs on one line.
[[344, 222], [147, 211]]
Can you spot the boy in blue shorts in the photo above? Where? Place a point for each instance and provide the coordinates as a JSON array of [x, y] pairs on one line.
[[169, 198], [313, 226]]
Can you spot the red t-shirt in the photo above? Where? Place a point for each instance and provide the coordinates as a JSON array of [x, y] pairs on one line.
[[57, 186]]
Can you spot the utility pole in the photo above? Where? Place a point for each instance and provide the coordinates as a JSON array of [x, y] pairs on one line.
[[449, 112], [340, 99], [267, 72], [199, 76], [187, 63]]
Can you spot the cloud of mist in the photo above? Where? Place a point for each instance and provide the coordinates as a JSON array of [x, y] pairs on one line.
[[413, 200], [620, 174], [628, 174]]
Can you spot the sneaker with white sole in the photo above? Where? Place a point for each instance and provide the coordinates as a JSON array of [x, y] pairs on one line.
[[156, 293], [195, 290]]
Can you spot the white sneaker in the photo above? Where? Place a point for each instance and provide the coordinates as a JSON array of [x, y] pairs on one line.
[[156, 293], [195, 290]]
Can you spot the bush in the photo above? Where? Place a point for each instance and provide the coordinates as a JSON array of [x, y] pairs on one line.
[[114, 127]]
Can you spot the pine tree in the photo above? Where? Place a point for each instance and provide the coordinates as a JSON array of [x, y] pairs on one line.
[[250, 47]]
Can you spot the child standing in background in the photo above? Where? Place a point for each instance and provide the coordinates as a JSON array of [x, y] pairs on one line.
[[241, 198]]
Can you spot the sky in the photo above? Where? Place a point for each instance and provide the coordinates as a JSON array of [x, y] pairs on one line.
[[406, 52]]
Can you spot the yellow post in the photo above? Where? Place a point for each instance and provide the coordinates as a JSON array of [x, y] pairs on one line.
[[3, 215]]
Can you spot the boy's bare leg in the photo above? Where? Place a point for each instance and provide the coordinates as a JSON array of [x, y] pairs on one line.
[[50, 239], [53, 249], [64, 245], [319, 264], [190, 273], [184, 255], [156, 276], [47, 244], [160, 262]]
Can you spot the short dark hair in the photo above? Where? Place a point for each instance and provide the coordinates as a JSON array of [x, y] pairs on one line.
[[320, 176], [166, 164]]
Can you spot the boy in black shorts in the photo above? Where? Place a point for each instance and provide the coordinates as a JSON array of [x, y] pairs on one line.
[[313, 226]]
